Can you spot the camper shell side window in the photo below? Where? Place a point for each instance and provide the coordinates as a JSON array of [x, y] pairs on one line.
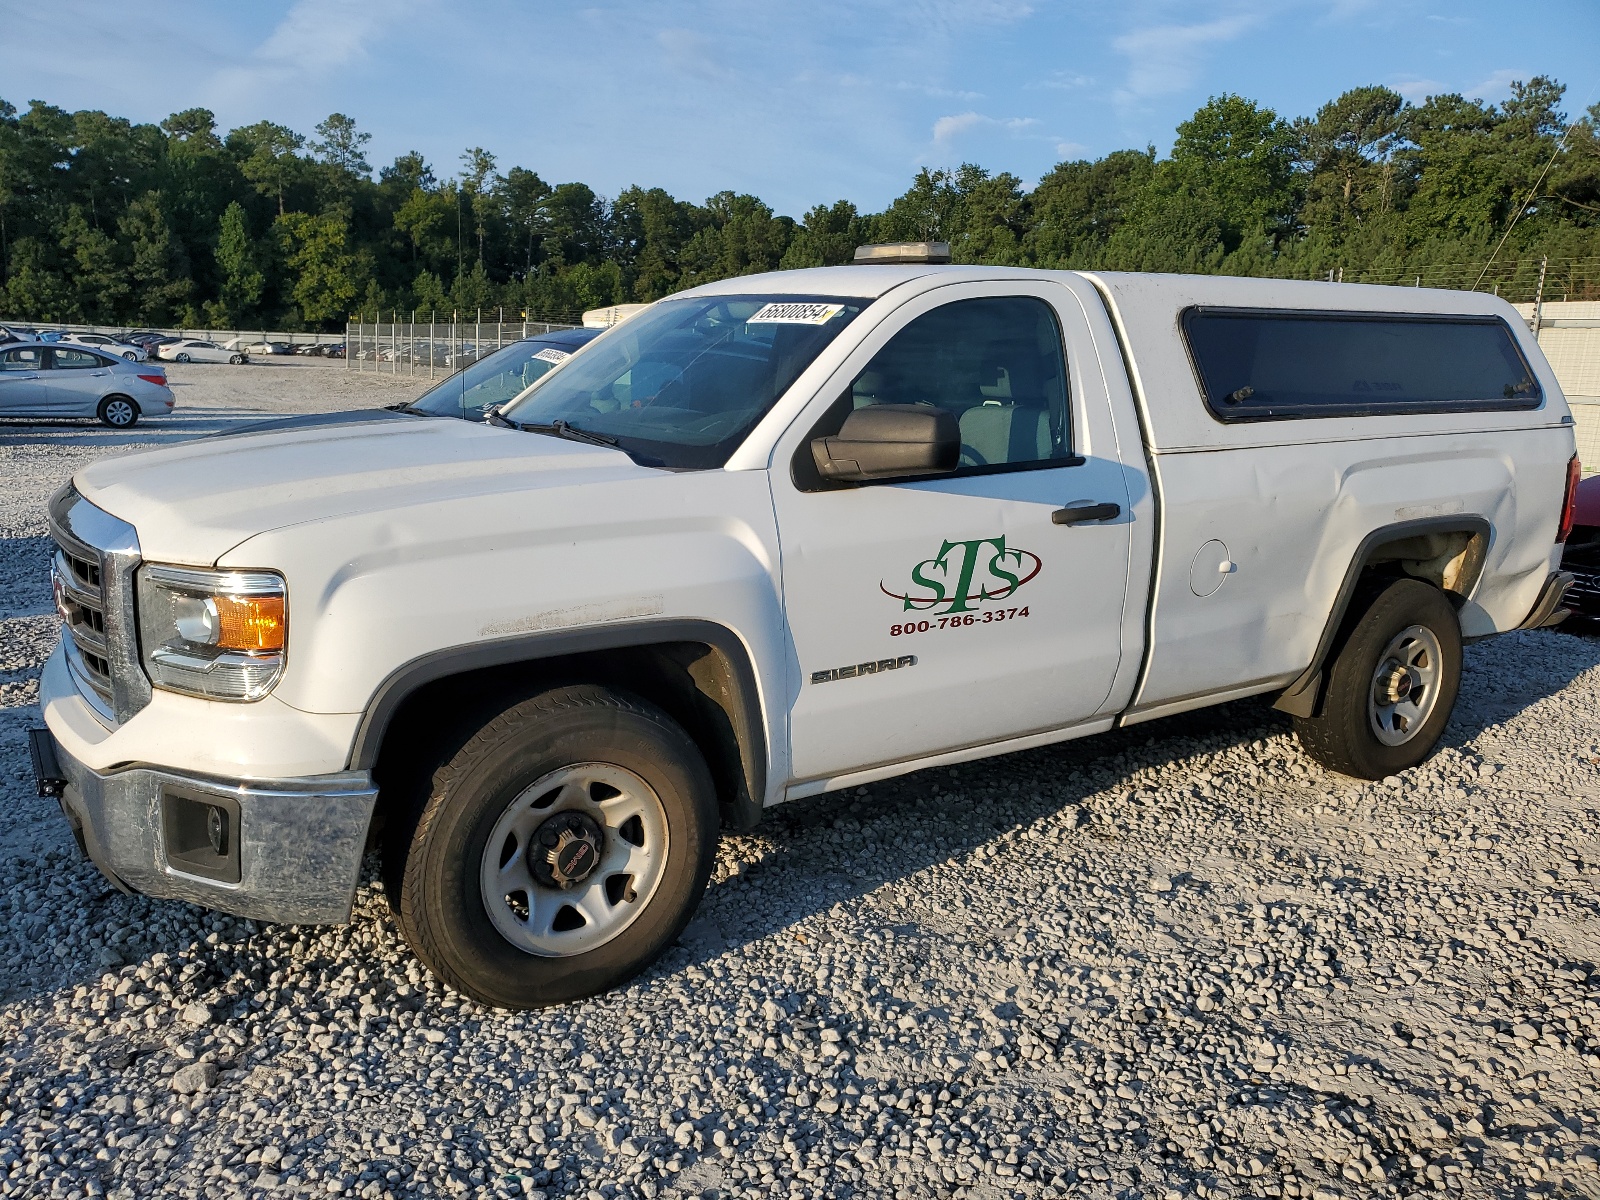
[[1277, 364]]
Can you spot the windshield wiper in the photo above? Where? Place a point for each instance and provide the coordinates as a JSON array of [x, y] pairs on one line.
[[563, 429]]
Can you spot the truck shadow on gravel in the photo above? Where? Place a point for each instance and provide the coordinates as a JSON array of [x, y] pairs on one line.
[[943, 813], [801, 874], [1511, 673]]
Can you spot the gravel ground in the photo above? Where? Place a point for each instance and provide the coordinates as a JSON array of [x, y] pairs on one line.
[[1178, 960]]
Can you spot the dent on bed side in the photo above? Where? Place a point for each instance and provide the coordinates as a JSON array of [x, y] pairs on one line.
[[1447, 551]]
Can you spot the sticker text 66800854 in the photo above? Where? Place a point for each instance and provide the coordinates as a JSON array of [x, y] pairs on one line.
[[959, 621]]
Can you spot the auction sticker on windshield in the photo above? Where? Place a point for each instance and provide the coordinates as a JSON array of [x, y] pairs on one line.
[[551, 355], [795, 312]]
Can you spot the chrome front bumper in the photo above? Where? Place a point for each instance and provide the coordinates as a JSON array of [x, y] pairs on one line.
[[291, 848]]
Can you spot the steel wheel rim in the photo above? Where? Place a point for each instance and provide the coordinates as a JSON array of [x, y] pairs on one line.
[[119, 412], [1405, 685], [539, 919]]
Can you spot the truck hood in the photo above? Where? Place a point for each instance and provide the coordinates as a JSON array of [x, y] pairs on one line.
[[194, 502]]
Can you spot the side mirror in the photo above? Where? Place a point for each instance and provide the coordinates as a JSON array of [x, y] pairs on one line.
[[890, 441]]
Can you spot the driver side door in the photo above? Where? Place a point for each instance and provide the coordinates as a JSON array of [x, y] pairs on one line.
[[943, 613]]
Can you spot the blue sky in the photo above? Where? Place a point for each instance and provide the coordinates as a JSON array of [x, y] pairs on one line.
[[799, 103]]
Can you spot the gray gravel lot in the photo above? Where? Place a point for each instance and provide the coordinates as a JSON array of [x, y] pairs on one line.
[[1178, 960]]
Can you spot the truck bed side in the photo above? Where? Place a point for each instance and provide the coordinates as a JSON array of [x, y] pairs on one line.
[[1261, 522]]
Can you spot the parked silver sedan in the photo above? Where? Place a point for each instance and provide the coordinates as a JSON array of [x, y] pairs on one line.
[[44, 379]]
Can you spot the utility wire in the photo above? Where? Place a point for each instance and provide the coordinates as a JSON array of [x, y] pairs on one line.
[[1532, 192]]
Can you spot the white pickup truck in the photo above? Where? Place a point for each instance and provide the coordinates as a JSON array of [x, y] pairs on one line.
[[775, 536]]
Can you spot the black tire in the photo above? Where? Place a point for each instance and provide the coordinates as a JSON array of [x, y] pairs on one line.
[[236, 359], [182, 358], [1346, 736], [433, 855], [119, 412]]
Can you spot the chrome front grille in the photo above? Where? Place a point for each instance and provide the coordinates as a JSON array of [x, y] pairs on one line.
[[92, 574], [81, 601]]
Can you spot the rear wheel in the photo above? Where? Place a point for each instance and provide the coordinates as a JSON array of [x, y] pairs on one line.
[[1392, 687], [119, 412], [560, 849]]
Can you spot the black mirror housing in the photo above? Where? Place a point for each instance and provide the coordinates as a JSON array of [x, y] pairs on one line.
[[890, 441]]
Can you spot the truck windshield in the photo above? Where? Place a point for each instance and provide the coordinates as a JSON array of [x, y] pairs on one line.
[[684, 382], [495, 378]]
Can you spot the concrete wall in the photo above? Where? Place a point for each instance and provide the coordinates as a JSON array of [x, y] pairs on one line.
[[1569, 335]]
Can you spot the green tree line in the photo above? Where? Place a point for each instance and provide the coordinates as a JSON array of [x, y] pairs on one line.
[[106, 220]]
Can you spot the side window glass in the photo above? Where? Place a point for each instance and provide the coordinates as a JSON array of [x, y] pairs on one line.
[[1284, 365], [75, 360], [28, 359], [996, 364]]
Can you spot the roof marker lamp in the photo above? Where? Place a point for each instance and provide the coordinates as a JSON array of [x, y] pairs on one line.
[[216, 634]]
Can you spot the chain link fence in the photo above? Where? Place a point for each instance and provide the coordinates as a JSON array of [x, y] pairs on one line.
[[1519, 280], [434, 345]]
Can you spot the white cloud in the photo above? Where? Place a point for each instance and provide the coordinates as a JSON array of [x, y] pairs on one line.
[[1491, 90], [1070, 149], [937, 93], [1163, 59], [1344, 9], [946, 15], [1495, 88], [314, 39], [947, 129], [1065, 81], [692, 53], [1418, 90]]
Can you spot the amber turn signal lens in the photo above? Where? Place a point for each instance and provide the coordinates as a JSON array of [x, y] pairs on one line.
[[250, 622]]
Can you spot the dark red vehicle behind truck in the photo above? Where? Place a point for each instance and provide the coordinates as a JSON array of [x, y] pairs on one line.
[[1582, 556]]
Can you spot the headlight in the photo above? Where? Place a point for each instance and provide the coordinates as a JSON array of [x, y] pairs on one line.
[[217, 634]]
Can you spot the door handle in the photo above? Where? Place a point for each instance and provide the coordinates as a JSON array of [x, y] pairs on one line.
[[1080, 514]]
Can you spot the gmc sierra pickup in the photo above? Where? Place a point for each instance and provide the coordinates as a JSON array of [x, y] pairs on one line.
[[771, 537]]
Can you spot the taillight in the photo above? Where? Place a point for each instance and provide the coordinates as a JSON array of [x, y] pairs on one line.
[[1569, 506], [161, 380]]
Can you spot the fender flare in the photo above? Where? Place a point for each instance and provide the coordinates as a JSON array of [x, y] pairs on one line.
[[742, 705], [1303, 696]]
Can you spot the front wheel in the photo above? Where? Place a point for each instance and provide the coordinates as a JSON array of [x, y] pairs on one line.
[[130, 355], [182, 357], [236, 359], [560, 849], [118, 412], [1392, 687]]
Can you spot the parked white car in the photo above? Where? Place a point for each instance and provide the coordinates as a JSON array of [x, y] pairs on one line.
[[781, 535], [59, 379], [110, 345], [198, 351], [256, 346]]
